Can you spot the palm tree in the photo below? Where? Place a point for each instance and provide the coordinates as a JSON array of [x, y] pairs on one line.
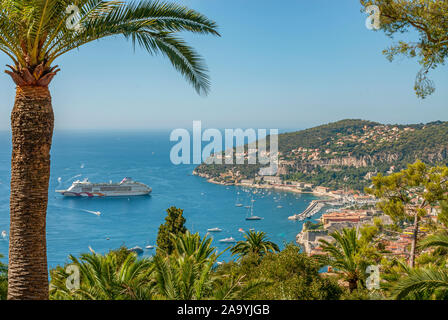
[[425, 283], [33, 34], [106, 277], [235, 288], [185, 274], [188, 273], [256, 242], [342, 256], [192, 245], [439, 240]]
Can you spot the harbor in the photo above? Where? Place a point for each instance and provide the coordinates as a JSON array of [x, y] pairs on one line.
[[316, 206]]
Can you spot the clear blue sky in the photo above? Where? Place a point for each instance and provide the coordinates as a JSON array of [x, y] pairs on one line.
[[279, 64]]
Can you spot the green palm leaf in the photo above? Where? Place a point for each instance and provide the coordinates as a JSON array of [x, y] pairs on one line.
[[35, 33], [420, 281]]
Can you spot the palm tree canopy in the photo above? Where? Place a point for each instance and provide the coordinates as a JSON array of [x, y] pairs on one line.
[[435, 240], [33, 33], [256, 242], [192, 245], [343, 254], [106, 277], [423, 282]]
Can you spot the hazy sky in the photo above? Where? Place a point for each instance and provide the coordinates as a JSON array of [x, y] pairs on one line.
[[279, 64]]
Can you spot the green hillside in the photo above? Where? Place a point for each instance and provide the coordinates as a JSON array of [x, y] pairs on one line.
[[346, 153]]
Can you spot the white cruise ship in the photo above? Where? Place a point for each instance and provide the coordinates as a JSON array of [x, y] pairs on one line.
[[85, 188]]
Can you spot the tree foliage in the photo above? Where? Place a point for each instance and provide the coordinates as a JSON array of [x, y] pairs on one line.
[[105, 277], [408, 195], [429, 20], [256, 242], [289, 275], [35, 33], [3, 280], [344, 256], [173, 226]]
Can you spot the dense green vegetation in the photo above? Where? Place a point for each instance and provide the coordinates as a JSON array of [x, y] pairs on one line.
[[343, 154], [174, 225], [406, 195], [3, 280], [291, 275]]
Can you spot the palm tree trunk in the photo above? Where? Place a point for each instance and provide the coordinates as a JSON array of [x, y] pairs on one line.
[[32, 129], [352, 285], [414, 241]]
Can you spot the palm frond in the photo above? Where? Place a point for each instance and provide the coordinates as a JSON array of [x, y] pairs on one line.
[[421, 281]]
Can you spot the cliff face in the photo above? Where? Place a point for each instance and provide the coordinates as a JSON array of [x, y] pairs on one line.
[[358, 162]]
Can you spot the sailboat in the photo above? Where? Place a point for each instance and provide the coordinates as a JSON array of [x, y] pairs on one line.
[[238, 203], [252, 217]]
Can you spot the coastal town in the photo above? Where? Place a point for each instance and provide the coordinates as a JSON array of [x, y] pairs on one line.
[[338, 209], [392, 243]]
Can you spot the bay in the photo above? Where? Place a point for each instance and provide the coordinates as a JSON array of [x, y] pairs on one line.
[[73, 226]]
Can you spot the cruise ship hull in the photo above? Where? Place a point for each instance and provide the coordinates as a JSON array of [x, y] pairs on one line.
[[126, 188], [102, 194]]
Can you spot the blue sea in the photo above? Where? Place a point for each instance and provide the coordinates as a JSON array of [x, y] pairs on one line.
[[72, 225]]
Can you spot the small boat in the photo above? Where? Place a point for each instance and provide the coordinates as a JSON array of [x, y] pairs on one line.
[[279, 207], [4, 234], [214, 230], [149, 247], [137, 250], [241, 230], [239, 205], [248, 207], [254, 218], [228, 240]]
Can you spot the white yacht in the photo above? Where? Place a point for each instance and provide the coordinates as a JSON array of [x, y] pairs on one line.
[[85, 188], [137, 250], [214, 230], [254, 218], [228, 240]]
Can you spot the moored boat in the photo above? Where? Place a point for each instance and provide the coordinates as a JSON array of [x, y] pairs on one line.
[[254, 218], [137, 250]]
